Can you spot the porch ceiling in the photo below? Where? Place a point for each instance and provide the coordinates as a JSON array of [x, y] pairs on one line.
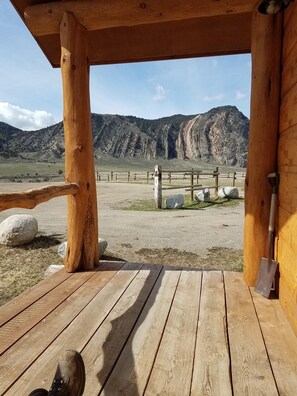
[[135, 30]]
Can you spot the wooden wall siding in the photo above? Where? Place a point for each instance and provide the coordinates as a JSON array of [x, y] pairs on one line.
[[287, 167], [263, 139]]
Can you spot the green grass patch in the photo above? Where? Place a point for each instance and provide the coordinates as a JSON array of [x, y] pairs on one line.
[[149, 204]]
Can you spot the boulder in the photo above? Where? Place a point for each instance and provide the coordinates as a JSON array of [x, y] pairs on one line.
[[174, 201], [52, 269], [18, 229], [228, 192], [102, 247], [203, 195]]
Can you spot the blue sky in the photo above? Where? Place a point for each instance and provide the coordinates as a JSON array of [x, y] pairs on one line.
[[31, 90]]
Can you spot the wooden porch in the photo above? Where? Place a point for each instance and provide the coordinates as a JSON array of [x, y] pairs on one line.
[[148, 329]]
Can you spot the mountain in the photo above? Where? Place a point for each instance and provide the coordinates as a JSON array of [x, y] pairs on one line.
[[219, 136]]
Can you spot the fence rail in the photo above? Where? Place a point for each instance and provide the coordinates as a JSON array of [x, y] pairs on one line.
[[169, 177], [190, 180]]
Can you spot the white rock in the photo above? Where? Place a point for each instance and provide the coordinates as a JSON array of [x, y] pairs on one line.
[[102, 247], [203, 195], [18, 229], [228, 192], [52, 269], [174, 201]]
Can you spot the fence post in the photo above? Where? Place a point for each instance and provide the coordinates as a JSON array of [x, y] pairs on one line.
[[234, 178], [158, 186], [216, 176], [169, 178], [111, 175], [192, 186], [147, 176]]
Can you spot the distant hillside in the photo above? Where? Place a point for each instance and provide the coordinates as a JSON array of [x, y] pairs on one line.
[[219, 136]]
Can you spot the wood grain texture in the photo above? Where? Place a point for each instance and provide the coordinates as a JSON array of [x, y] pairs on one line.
[[265, 97], [68, 327], [25, 351], [290, 30], [288, 192], [288, 300], [30, 296], [31, 198], [289, 72], [132, 370], [287, 150], [171, 374], [280, 341], [211, 374], [288, 110], [251, 372], [82, 241], [230, 34], [44, 19], [148, 321], [26, 320], [101, 353]]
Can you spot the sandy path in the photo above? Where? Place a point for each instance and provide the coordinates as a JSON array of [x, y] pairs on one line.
[[129, 231]]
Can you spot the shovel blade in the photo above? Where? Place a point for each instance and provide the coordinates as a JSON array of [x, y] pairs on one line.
[[266, 276]]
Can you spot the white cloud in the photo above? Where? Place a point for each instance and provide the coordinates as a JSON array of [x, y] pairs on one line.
[[240, 95], [160, 93], [24, 118], [214, 98]]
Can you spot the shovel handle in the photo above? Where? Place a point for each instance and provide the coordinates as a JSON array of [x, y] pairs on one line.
[[272, 212], [271, 225]]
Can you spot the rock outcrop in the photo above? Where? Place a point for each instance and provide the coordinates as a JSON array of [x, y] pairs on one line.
[[219, 136]]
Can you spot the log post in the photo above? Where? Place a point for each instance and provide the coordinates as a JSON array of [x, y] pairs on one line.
[[262, 152], [192, 186], [82, 242], [216, 176], [158, 186]]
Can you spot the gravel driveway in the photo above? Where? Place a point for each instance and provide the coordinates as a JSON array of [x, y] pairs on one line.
[[130, 234]]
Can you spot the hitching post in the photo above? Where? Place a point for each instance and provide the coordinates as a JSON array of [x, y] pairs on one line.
[[158, 186]]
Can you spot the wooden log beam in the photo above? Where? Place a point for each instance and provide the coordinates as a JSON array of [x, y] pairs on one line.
[[263, 138], [44, 19], [82, 241], [31, 198]]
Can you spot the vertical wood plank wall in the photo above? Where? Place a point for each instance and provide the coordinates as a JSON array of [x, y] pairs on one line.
[[287, 167]]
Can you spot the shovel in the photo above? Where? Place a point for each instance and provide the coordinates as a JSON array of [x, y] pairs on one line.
[[268, 266]]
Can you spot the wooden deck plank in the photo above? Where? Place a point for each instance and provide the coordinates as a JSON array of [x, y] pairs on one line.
[[19, 303], [172, 371], [26, 350], [211, 374], [132, 370], [135, 328], [251, 371], [280, 341], [27, 319], [103, 350]]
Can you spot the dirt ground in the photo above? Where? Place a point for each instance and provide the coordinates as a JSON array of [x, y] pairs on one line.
[[180, 235]]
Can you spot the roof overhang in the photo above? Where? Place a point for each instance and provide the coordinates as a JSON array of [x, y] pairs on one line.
[[130, 31]]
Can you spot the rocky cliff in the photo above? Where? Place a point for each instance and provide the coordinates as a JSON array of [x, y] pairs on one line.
[[220, 136]]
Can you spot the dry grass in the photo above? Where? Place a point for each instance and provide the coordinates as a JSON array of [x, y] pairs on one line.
[[23, 266], [218, 258]]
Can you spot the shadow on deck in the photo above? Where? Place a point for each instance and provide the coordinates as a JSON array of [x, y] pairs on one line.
[[149, 330]]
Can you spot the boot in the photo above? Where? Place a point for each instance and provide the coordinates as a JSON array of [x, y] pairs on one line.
[[39, 392], [69, 379], [70, 376]]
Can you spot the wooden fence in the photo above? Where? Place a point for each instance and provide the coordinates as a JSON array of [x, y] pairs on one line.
[[169, 177]]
